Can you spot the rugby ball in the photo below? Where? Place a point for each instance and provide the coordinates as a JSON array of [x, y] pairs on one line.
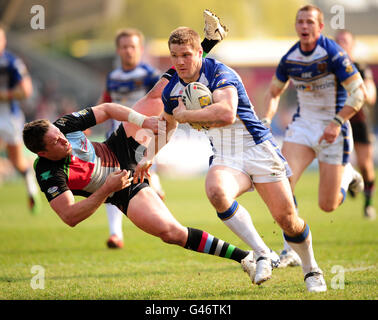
[[196, 96]]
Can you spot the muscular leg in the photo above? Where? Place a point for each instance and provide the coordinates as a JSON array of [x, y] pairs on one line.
[[299, 157], [223, 186], [16, 157], [115, 217], [149, 213], [330, 177], [278, 198], [365, 161]]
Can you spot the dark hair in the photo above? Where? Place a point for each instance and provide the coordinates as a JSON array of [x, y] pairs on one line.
[[34, 133], [310, 7]]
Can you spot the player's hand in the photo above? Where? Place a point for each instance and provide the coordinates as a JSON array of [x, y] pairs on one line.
[[179, 111], [118, 180], [141, 170], [151, 123], [330, 133]]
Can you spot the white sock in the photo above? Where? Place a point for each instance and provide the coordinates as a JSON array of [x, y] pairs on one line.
[[31, 184], [238, 219], [115, 220], [306, 253], [347, 176], [286, 245]]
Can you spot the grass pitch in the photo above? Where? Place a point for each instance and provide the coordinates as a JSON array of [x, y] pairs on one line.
[[76, 264]]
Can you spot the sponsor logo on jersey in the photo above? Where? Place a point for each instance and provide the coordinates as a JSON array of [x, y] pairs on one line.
[[204, 101], [61, 122], [46, 175], [80, 113], [53, 191], [306, 75], [221, 82], [322, 67], [315, 86], [349, 69]]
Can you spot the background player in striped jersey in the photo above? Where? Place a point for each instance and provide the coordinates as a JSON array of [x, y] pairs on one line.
[[126, 85], [245, 156], [362, 126], [330, 91], [69, 164], [15, 85]]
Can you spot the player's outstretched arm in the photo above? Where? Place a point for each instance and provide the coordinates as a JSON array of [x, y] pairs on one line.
[[167, 127], [119, 112], [72, 212]]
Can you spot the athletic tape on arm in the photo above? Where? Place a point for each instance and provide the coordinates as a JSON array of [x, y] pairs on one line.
[[356, 96]]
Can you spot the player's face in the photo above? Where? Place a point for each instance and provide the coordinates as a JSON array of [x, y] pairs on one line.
[[130, 51], [308, 29], [187, 61], [345, 40], [56, 145]]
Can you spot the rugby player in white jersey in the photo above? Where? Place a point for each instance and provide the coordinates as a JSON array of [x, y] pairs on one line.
[[15, 85], [330, 91], [245, 156], [130, 83]]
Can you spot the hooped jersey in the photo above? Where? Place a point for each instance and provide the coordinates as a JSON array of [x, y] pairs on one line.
[[126, 87], [12, 71], [82, 172], [246, 131], [317, 76]]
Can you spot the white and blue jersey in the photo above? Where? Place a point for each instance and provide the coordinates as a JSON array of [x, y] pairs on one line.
[[246, 131], [246, 145], [12, 72], [126, 87], [317, 77]]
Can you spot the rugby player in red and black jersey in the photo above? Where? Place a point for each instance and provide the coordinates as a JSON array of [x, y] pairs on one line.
[[69, 164]]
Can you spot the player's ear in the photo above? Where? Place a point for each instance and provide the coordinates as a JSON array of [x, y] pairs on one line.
[[41, 153], [321, 27]]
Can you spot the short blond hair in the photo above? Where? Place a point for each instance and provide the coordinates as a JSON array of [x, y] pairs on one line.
[[128, 32], [185, 35], [311, 7]]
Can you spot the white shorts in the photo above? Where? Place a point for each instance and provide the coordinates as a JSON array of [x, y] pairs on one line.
[[306, 132], [262, 162], [11, 125]]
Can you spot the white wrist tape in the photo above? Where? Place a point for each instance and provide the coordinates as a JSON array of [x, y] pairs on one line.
[[136, 118], [356, 96]]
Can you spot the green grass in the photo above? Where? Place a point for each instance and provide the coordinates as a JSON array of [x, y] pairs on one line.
[[78, 265]]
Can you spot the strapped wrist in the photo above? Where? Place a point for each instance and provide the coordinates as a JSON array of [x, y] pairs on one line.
[[136, 118], [338, 120]]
